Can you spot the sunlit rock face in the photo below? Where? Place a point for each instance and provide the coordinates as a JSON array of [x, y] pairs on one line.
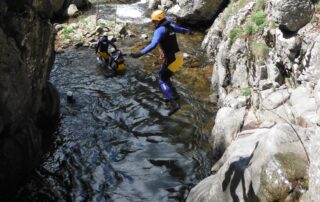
[[27, 100]]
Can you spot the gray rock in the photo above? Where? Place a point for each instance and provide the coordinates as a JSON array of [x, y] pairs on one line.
[[257, 167], [27, 100], [275, 99], [304, 106], [153, 4], [313, 194], [73, 11], [291, 14], [274, 74], [57, 5], [227, 124], [265, 84], [195, 11]]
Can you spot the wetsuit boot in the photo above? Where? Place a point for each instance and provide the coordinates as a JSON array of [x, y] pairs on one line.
[[175, 106]]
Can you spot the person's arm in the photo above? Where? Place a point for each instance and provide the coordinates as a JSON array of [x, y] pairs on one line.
[[179, 29], [112, 44], [97, 47], [157, 36]]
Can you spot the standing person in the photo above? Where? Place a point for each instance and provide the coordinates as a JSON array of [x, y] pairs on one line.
[[165, 35], [102, 49]]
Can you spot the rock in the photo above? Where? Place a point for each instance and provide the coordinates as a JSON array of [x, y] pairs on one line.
[[259, 166], [25, 96], [73, 11], [81, 3], [195, 11], [304, 106], [153, 4], [291, 15], [287, 47], [144, 36], [313, 193], [275, 99], [274, 73], [57, 5], [227, 124], [265, 84], [99, 30]]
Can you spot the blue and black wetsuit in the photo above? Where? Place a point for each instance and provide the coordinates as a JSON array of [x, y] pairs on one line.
[[103, 45], [165, 35]]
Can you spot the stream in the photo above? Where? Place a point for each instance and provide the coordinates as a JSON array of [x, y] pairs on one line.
[[116, 142]]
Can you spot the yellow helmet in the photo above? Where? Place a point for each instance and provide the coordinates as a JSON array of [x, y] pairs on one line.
[[158, 15]]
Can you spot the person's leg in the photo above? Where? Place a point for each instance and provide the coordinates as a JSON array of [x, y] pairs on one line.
[[165, 82], [168, 89]]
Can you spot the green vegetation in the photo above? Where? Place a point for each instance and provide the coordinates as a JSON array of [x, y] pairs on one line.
[[235, 33], [259, 5], [233, 7], [259, 50], [246, 91], [249, 29], [316, 1], [66, 32], [258, 18]]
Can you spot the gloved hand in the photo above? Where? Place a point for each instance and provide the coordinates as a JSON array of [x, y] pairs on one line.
[[136, 55]]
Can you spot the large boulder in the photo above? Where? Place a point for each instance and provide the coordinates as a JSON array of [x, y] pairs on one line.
[[261, 165], [27, 101], [291, 14], [196, 11], [227, 124]]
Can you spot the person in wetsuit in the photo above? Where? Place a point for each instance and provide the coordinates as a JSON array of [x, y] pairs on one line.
[[165, 35], [102, 48]]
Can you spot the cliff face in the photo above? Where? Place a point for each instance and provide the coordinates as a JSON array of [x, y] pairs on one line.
[[266, 83], [27, 101]]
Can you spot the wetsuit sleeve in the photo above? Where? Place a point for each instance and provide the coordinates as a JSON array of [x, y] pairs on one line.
[[157, 36], [97, 47], [114, 46], [179, 29]]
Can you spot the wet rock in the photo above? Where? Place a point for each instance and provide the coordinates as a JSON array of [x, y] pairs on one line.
[[26, 96], [260, 166], [291, 14]]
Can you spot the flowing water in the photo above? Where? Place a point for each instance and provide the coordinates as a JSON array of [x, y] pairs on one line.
[[115, 142]]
